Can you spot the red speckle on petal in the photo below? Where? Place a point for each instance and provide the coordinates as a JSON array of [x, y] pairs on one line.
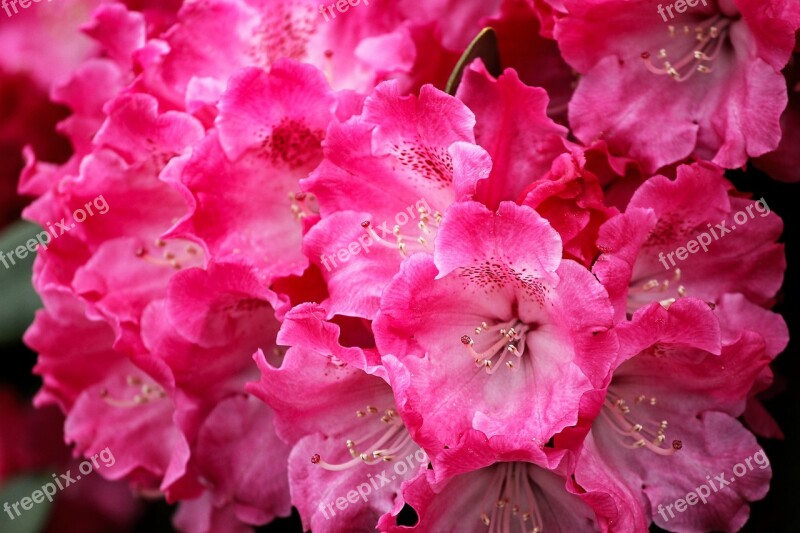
[[433, 165], [293, 144], [283, 32]]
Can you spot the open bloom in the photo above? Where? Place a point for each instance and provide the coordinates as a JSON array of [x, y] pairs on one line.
[[341, 422], [710, 77], [668, 420], [269, 129], [642, 261], [495, 332]]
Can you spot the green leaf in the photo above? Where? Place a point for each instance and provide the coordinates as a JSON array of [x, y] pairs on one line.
[[19, 300], [30, 521], [484, 46]]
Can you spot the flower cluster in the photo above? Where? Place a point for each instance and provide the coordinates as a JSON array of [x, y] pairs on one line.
[[318, 266]]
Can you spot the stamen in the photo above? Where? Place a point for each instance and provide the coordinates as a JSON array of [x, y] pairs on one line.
[[642, 294], [302, 204], [147, 393], [510, 497], [426, 226], [511, 343], [174, 255], [709, 37], [379, 443], [617, 412]]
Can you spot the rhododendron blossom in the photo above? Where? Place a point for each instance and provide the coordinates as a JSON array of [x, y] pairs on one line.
[[712, 76], [393, 266], [492, 325]]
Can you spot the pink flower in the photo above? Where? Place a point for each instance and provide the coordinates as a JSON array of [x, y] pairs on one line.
[[269, 129], [532, 162], [489, 483], [411, 158], [710, 77], [524, 35], [243, 488], [415, 274], [341, 404], [513, 127], [97, 388], [642, 261], [668, 420], [494, 332], [130, 264], [115, 277], [184, 63], [570, 198], [205, 332], [737, 314]]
